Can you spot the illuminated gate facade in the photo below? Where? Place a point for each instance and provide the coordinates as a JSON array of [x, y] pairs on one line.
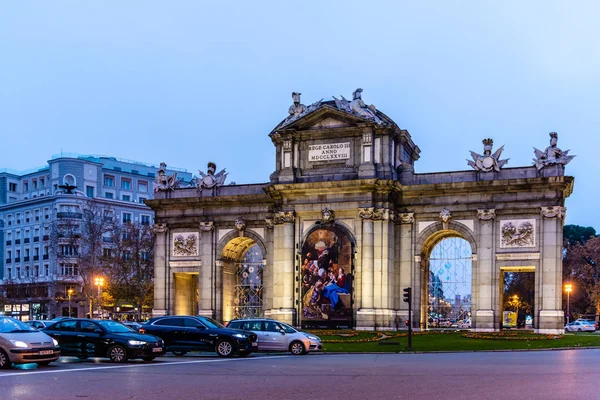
[[249, 285]]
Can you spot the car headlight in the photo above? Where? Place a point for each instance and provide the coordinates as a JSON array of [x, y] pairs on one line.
[[136, 342], [239, 336], [55, 342], [313, 337], [19, 343]]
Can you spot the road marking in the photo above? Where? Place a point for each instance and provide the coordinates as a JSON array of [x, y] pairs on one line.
[[140, 365]]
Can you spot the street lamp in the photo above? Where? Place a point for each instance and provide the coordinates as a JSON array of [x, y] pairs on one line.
[[70, 293], [568, 289], [516, 300], [99, 281]]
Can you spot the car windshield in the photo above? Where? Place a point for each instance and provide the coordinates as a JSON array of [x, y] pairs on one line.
[[211, 323], [115, 327], [287, 328], [10, 325]]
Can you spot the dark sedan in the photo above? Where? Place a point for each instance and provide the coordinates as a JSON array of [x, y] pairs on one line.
[[188, 333], [85, 338]]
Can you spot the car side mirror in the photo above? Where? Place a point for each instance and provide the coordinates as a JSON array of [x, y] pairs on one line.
[[201, 327], [282, 331]]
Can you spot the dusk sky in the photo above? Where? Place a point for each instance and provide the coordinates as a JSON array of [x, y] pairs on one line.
[[187, 82]]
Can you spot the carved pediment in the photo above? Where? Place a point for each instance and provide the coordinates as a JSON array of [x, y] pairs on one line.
[[330, 122]]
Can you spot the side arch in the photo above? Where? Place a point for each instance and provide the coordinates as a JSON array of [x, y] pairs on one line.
[[250, 237], [331, 225]]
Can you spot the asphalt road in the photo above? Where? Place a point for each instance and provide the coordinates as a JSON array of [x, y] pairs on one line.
[[566, 374]]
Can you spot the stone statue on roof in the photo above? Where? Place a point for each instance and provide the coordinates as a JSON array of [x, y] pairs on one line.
[[552, 155], [488, 161], [297, 108], [357, 106], [164, 182], [209, 179]]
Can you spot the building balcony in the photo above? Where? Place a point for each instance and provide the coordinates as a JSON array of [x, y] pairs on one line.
[[36, 239], [8, 260], [65, 214], [17, 241], [46, 237], [27, 240], [8, 242], [45, 257], [36, 258], [26, 259], [17, 259]]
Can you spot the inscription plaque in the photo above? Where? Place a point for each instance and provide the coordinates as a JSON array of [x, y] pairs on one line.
[[329, 152]]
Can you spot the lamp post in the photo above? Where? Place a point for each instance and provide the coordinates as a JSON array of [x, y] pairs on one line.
[[516, 300], [99, 281], [70, 293], [568, 289]]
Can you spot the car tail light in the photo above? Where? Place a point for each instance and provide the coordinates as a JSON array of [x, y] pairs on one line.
[[141, 330]]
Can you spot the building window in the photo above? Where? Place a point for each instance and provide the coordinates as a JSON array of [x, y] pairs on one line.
[[36, 271], [69, 269], [109, 181], [125, 184], [46, 270], [109, 195], [143, 186], [25, 186], [42, 183], [106, 252], [126, 218], [12, 187], [126, 197], [34, 184], [18, 272], [144, 255], [9, 273], [142, 200], [26, 272], [126, 255], [145, 220], [89, 191]]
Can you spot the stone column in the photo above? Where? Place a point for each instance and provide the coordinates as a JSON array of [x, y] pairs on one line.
[[205, 277], [366, 314], [383, 261], [405, 279], [484, 315], [160, 270], [219, 292], [283, 267], [551, 315]]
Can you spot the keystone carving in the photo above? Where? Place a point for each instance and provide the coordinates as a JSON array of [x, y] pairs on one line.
[[283, 217], [554, 212], [406, 218], [328, 215], [159, 228], [366, 213], [240, 224], [207, 226]]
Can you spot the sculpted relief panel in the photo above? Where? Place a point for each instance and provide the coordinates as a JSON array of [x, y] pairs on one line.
[[517, 233], [185, 244]]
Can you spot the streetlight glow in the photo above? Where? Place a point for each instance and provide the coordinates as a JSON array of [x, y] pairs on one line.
[[99, 281], [70, 292], [568, 289]]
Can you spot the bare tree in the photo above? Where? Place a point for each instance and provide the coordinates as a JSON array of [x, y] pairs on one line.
[[77, 237], [130, 264]]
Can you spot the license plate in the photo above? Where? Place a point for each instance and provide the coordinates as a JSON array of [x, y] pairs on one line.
[[46, 352], [157, 349], [254, 343]]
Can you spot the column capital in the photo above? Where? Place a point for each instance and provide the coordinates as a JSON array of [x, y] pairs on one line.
[[486, 214], [160, 228], [284, 217], [207, 226], [366, 213], [405, 218], [269, 223], [554, 212]]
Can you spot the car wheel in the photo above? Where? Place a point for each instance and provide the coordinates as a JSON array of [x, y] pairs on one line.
[[297, 348], [179, 353], [148, 358], [4, 360], [579, 330], [117, 354], [43, 363], [224, 348]]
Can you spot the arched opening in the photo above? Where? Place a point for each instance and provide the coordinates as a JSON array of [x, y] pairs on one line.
[[449, 284], [326, 278], [243, 261]]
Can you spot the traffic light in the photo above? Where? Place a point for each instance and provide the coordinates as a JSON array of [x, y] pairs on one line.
[[407, 294]]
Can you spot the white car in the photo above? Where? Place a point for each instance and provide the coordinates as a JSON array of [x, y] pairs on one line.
[[464, 324], [278, 336], [22, 344], [579, 326]]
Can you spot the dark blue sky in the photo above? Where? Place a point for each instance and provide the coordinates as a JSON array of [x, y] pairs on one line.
[[186, 82]]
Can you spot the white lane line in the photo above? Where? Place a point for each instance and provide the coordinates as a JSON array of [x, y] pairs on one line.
[[158, 364]]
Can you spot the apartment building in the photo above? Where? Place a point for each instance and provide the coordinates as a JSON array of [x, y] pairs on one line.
[[36, 283]]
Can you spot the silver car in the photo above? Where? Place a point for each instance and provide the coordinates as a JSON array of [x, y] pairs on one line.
[[278, 336], [22, 344]]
